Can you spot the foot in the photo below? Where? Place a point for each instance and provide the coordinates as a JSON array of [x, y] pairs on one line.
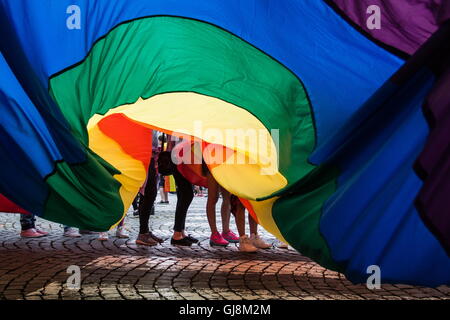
[[246, 245], [146, 240], [258, 242], [103, 236], [282, 245], [157, 239], [41, 232], [71, 233], [122, 233], [191, 239], [31, 233], [230, 237], [181, 242], [216, 239]]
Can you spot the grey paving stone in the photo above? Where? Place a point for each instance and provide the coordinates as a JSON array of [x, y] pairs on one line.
[[35, 269]]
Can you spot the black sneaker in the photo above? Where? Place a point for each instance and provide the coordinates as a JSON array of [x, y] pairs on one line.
[[191, 239], [182, 242]]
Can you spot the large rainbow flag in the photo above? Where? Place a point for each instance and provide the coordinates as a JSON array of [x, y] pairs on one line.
[[361, 171]]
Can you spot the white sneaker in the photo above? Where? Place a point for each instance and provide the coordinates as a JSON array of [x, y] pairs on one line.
[[72, 233], [121, 232], [103, 236], [282, 245], [258, 242], [245, 244]]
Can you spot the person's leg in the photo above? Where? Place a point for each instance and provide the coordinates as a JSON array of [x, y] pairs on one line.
[[147, 199], [136, 205], [252, 224], [165, 193], [164, 196], [161, 194], [184, 199], [135, 202], [151, 190], [238, 210], [144, 216], [213, 196], [28, 228], [216, 238], [27, 221], [257, 241], [227, 234], [225, 210], [240, 218]]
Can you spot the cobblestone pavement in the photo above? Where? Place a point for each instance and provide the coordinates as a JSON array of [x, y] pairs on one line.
[[119, 269]]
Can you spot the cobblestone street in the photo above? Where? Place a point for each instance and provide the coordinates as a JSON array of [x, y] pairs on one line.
[[119, 269]]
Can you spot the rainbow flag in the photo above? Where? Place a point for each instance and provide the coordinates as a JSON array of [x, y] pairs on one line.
[[352, 172]]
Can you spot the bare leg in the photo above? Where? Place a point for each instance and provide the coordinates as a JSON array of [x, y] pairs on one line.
[[213, 195], [225, 210], [253, 225], [240, 219], [161, 194]]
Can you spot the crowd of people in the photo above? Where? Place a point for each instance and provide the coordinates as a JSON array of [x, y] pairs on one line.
[[160, 170]]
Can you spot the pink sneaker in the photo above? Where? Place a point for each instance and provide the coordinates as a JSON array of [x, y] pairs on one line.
[[216, 239], [41, 232], [230, 237], [31, 233]]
